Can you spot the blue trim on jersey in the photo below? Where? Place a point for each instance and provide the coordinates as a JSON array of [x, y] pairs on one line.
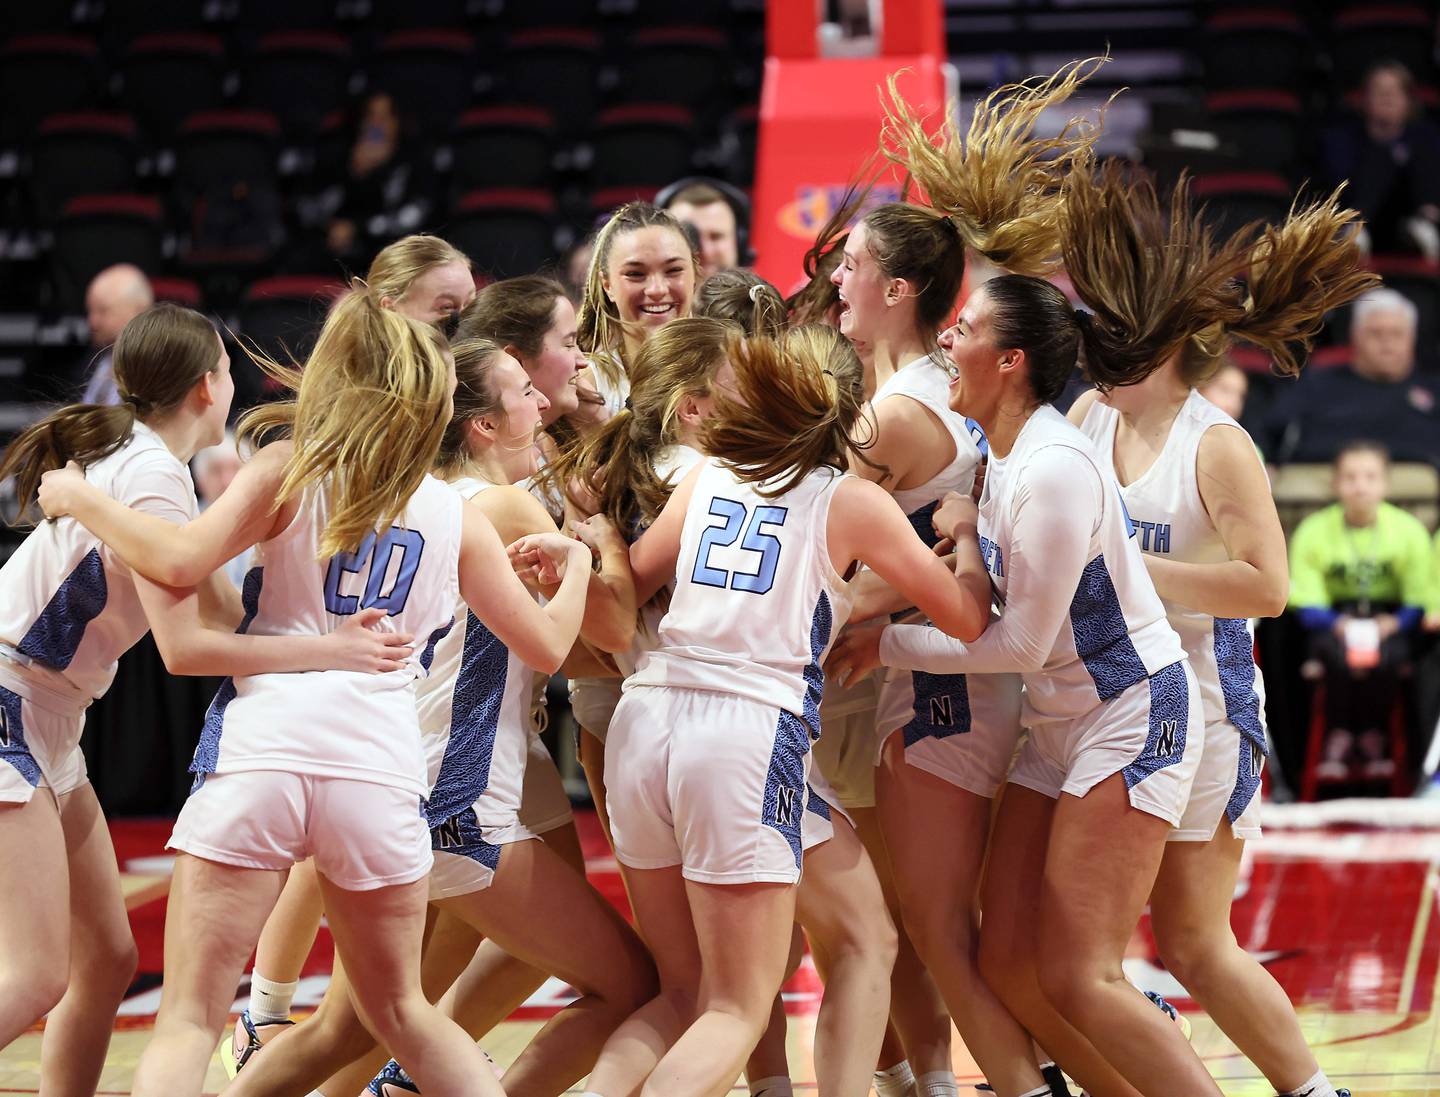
[[12, 739], [941, 708], [461, 836], [816, 804], [207, 750], [428, 655], [786, 790], [1235, 666], [1102, 639], [474, 720], [977, 434], [56, 635], [1169, 724]]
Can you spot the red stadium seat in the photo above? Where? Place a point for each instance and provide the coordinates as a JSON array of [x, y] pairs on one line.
[[80, 153], [429, 73], [557, 68], [505, 231], [44, 74], [168, 77], [502, 146], [643, 143], [98, 231], [298, 76]]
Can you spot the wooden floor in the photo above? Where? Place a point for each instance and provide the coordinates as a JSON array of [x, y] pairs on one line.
[[1345, 920]]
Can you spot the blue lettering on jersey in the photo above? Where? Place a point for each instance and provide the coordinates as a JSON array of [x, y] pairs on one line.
[[1154, 536], [994, 557], [376, 553], [977, 435], [756, 539]]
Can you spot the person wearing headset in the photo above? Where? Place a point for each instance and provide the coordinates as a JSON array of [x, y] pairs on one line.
[[720, 215]]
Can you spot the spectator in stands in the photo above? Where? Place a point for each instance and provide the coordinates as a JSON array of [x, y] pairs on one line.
[[1376, 396], [382, 195], [713, 218], [1391, 157], [1227, 389], [115, 296], [1359, 583]]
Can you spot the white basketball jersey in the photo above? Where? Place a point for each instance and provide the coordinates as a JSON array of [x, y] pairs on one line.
[[928, 385], [757, 602], [1171, 522], [340, 723], [67, 603], [1115, 633], [475, 716], [672, 464]]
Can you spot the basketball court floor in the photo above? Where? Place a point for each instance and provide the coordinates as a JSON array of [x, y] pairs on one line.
[[1345, 918]]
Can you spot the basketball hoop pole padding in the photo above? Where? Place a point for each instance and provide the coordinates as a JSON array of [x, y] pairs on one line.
[[820, 121]]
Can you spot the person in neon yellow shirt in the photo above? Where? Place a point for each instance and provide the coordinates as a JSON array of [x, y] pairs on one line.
[[1360, 582]]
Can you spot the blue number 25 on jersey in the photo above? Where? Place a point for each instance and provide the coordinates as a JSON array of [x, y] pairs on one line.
[[376, 553], [737, 517]]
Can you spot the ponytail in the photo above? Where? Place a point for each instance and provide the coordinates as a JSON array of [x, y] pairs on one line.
[[160, 356]]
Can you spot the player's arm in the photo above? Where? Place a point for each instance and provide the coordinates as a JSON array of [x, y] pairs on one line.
[[540, 636], [190, 645], [1082, 405], [867, 524], [654, 555], [169, 554], [1255, 580], [609, 621]]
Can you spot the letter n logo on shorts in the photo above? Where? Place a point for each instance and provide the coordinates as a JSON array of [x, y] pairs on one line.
[[4, 728], [787, 805], [942, 711], [447, 834], [1257, 760], [1166, 745]]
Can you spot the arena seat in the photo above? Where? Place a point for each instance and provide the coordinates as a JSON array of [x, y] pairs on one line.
[[1361, 35], [643, 143], [506, 231], [429, 73], [95, 231], [282, 315], [684, 65], [45, 74], [1265, 125], [556, 68], [1234, 199], [224, 147], [1259, 47], [168, 77], [300, 77], [80, 153], [502, 146]]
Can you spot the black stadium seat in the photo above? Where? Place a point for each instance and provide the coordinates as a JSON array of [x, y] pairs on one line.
[[1234, 199], [98, 231], [1261, 47], [556, 68], [300, 77], [283, 315], [1361, 36], [685, 65], [168, 77], [223, 147], [643, 143], [80, 153], [44, 74], [1264, 124], [429, 73], [506, 231], [502, 147]]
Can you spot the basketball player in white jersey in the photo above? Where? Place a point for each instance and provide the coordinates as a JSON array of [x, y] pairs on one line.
[[716, 723], [491, 874], [69, 608], [1110, 702], [329, 765], [1200, 498]]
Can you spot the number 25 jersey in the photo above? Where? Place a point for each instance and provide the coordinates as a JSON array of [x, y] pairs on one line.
[[340, 723], [757, 602]]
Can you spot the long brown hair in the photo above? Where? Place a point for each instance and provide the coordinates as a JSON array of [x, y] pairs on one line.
[[475, 397], [159, 357], [602, 332], [744, 298], [370, 407], [799, 400], [514, 312], [616, 463], [1156, 280]]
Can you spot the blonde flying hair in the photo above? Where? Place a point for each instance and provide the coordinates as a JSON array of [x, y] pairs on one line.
[[998, 187], [394, 270], [1159, 284], [370, 406], [601, 331], [799, 400], [616, 463]]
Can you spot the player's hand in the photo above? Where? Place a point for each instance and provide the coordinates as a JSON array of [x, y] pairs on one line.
[[57, 489], [980, 478], [367, 644], [956, 514], [855, 654], [599, 533], [543, 558]]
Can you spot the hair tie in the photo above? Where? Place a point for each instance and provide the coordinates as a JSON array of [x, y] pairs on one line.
[[132, 401], [755, 291], [1084, 319], [628, 405]]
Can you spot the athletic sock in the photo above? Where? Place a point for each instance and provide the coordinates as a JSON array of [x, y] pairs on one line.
[[896, 1081], [1318, 1086], [1042, 1091], [1052, 1074], [269, 1000], [937, 1083], [777, 1086]]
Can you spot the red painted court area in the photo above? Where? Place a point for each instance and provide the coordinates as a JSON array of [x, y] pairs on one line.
[[1344, 918]]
